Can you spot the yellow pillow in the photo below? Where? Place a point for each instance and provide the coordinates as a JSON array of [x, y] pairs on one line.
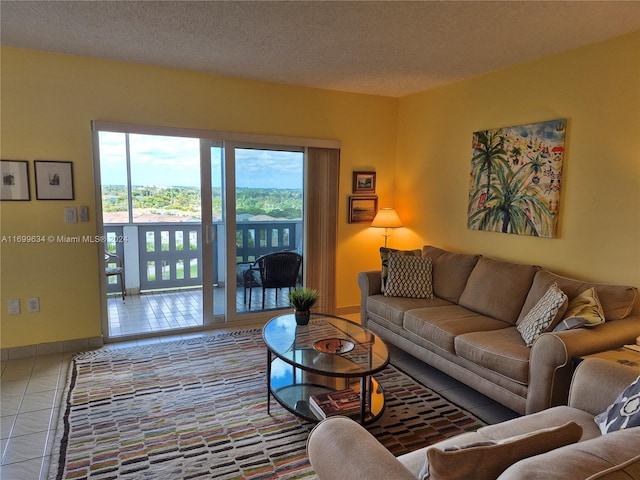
[[586, 306]]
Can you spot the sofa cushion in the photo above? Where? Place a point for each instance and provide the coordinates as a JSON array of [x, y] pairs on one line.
[[544, 315], [450, 271], [629, 469], [441, 325], [551, 417], [502, 351], [617, 300], [624, 412], [460, 439], [612, 456], [384, 257], [409, 276], [487, 461], [498, 289], [393, 308]]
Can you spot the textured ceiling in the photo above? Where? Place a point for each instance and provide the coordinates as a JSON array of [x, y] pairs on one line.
[[391, 48]]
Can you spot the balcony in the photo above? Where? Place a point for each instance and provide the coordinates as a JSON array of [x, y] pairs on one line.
[[163, 271]]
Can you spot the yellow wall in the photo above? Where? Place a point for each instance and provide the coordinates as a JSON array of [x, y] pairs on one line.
[[419, 145], [597, 88], [48, 101]]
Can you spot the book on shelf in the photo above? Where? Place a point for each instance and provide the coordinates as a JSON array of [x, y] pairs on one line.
[[342, 402]]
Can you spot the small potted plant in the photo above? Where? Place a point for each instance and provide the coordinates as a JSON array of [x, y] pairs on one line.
[[302, 300]]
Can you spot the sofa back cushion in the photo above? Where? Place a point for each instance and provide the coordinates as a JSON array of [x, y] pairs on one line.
[[487, 460], [617, 300], [611, 456], [498, 289], [450, 271]]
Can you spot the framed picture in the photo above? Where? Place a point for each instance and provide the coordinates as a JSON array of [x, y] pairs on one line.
[[364, 182], [15, 180], [54, 180], [362, 209], [520, 194]]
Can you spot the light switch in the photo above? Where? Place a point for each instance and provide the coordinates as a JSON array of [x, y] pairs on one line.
[[70, 215], [14, 306], [84, 214]]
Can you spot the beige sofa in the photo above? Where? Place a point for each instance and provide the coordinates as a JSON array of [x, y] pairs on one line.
[[469, 328], [340, 448]]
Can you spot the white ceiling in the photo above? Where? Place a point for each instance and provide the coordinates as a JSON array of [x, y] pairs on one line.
[[391, 48]]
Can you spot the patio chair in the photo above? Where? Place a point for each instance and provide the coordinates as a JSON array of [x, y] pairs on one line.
[[277, 270], [118, 270]]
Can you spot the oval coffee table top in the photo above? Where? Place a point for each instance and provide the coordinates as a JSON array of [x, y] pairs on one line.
[[328, 345]]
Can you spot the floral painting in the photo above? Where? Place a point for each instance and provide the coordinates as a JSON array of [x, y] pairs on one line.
[[516, 175]]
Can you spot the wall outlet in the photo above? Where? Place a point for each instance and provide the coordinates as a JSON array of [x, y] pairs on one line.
[[14, 306], [33, 304]]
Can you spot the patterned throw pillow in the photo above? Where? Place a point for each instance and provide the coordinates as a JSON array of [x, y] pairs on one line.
[[384, 256], [624, 412], [543, 315], [409, 277]]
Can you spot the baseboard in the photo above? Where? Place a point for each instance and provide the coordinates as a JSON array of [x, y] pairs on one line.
[[348, 310], [67, 346]]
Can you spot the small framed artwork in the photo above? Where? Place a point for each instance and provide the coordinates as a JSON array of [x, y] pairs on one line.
[[362, 209], [15, 180], [364, 182], [54, 180]]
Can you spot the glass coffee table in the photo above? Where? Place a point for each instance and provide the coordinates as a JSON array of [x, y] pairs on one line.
[[330, 354]]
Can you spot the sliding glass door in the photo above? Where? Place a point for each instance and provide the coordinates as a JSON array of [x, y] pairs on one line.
[[266, 201], [152, 223], [190, 218]]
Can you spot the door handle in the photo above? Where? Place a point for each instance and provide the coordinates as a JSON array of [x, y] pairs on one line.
[[209, 234]]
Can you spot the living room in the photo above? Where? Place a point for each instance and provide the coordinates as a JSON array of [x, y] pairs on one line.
[[418, 144]]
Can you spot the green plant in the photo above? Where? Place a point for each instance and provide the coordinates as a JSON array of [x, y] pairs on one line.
[[303, 299]]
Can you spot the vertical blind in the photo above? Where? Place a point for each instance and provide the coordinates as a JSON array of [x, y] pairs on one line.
[[321, 217]]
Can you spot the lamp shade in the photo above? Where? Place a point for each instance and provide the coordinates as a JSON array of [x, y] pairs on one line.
[[386, 218]]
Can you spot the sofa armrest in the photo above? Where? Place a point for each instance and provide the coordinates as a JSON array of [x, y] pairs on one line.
[[552, 354], [597, 383], [370, 283], [338, 447]]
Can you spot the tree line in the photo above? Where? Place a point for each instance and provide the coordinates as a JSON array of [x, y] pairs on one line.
[[275, 202]]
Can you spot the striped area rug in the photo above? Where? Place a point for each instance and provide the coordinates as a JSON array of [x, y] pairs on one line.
[[196, 409]]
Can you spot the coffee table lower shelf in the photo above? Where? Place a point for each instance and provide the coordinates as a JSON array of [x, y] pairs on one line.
[[294, 396]]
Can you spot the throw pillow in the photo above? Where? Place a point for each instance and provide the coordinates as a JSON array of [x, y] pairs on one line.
[[384, 256], [586, 306], [488, 461], [544, 315], [409, 277], [624, 412]]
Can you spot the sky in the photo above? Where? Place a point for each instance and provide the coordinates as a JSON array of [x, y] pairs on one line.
[[175, 161]]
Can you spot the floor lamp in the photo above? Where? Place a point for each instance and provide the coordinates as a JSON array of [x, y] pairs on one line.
[[386, 218]]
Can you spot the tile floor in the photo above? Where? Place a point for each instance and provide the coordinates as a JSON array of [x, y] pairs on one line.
[[31, 390], [167, 310], [154, 312]]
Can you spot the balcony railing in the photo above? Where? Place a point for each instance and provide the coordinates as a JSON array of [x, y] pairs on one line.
[[161, 256]]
